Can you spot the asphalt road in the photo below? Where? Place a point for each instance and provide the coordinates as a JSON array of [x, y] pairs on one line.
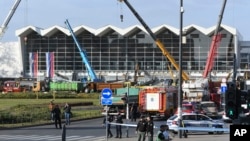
[[88, 130]]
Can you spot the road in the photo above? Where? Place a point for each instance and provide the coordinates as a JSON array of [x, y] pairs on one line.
[[87, 130]]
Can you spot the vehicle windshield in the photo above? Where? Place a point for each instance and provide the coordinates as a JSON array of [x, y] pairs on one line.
[[173, 117], [187, 107], [208, 105]]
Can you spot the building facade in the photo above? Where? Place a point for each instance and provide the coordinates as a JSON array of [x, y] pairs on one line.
[[113, 51]]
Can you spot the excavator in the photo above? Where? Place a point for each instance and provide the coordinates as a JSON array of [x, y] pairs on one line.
[[4, 26]]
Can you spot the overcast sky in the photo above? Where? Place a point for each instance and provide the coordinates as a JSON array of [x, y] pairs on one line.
[[99, 13]]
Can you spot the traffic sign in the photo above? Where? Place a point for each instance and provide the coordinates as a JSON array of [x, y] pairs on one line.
[[106, 101], [106, 93], [223, 88], [106, 96]]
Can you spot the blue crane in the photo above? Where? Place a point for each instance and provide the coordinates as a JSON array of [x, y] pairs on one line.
[[83, 55]]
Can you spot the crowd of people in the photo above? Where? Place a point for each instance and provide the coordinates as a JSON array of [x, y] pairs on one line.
[[144, 128]]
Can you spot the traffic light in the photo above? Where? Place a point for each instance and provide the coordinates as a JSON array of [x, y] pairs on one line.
[[125, 98], [231, 102]]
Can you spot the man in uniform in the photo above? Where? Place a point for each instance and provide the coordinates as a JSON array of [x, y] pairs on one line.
[[119, 127]]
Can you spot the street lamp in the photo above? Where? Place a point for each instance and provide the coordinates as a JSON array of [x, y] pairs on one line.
[[180, 72]]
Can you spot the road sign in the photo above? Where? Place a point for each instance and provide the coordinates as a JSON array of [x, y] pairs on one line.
[[223, 88], [106, 96]]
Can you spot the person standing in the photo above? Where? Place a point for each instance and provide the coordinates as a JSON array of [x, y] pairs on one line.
[[166, 133], [67, 113], [141, 129], [51, 108], [160, 136], [57, 113], [110, 119], [133, 112], [150, 128], [119, 127]]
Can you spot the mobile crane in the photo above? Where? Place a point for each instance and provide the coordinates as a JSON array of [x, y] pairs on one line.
[[215, 44], [157, 41], [95, 84], [205, 87], [83, 54], [8, 18]]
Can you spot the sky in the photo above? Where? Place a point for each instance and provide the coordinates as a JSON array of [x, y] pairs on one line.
[[99, 13]]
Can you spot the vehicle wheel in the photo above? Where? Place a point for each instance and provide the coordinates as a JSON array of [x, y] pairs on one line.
[[219, 132]]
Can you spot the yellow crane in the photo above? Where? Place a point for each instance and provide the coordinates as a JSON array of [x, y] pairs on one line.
[[157, 41]]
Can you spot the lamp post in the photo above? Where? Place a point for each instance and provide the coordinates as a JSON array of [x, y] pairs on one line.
[[180, 72], [127, 111]]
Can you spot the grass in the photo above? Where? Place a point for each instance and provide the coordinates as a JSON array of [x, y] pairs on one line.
[[7, 103], [26, 112]]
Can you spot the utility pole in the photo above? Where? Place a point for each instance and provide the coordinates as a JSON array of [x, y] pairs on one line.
[[180, 71]]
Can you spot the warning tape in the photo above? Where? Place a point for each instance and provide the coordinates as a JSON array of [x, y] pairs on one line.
[[209, 129]]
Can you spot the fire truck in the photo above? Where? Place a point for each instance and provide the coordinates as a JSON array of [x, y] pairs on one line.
[[159, 102]]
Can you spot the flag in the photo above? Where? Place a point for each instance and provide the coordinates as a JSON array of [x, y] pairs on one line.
[[33, 60], [50, 64]]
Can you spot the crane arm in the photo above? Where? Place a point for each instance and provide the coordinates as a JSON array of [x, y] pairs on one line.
[[157, 41], [83, 54], [215, 44], [8, 18]]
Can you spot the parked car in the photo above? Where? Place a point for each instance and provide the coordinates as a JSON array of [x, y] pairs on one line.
[[194, 120]]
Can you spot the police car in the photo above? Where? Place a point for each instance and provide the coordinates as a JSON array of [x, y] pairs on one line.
[[200, 122]]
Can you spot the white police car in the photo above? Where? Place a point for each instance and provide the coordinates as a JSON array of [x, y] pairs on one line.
[[200, 122]]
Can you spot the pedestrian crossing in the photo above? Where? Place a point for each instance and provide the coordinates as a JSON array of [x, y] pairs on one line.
[[49, 138]]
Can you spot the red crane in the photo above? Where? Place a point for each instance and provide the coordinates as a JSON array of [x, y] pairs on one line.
[[215, 44]]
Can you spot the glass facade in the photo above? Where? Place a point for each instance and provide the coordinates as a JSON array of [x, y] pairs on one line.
[[114, 52]]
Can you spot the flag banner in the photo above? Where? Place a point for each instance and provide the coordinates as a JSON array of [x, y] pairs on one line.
[[50, 64], [33, 60]]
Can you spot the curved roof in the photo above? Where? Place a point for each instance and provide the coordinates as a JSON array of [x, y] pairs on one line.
[[124, 32]]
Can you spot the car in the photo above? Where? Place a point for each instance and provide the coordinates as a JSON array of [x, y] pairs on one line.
[[194, 120]]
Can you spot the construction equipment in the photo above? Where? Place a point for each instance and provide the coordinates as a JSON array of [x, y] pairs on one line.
[[205, 88], [215, 44], [157, 41], [4, 26], [159, 102], [95, 84], [83, 54]]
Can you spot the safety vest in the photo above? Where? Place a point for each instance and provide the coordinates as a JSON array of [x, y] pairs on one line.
[[158, 133]]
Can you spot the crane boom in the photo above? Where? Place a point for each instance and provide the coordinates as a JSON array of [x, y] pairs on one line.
[[83, 54], [157, 41], [215, 44], [8, 18]]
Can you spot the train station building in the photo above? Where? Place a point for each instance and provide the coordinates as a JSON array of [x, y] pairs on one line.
[[116, 53]]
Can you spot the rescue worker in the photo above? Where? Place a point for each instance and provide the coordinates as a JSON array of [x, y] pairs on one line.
[[150, 128], [119, 127], [133, 112], [57, 113], [110, 119], [160, 136], [51, 108], [141, 129]]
